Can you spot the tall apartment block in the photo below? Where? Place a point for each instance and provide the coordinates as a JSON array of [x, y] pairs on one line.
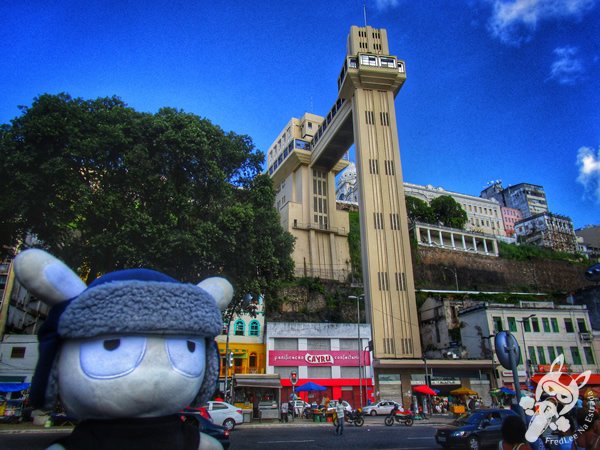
[[303, 162], [528, 198]]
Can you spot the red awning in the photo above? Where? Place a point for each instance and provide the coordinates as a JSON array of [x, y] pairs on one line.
[[566, 378]]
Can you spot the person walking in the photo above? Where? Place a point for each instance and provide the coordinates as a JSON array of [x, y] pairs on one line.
[[284, 412], [339, 412]]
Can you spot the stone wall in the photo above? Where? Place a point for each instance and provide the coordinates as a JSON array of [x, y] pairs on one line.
[[440, 269]]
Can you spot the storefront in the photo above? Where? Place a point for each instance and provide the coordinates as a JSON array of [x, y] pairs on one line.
[[326, 354], [253, 392]]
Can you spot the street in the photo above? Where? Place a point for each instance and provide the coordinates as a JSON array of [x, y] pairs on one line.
[[373, 435]]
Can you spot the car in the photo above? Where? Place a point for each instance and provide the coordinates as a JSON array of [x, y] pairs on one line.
[[474, 430], [223, 413], [383, 407], [201, 411], [218, 432], [299, 406], [333, 403]]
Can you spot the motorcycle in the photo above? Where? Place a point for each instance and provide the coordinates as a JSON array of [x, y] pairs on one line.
[[396, 416], [355, 418]]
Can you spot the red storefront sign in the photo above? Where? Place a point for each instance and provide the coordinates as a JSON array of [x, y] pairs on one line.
[[317, 358]]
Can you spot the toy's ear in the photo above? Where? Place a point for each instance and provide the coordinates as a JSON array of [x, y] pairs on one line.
[[49, 279], [220, 289], [557, 364], [583, 378]]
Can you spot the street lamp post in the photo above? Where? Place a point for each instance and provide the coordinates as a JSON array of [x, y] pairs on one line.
[[357, 298], [526, 351]]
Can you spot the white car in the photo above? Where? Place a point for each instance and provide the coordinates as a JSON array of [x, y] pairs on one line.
[[333, 403], [383, 407], [225, 414]]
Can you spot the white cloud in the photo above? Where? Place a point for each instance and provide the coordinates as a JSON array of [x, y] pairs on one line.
[[588, 164], [515, 21], [382, 5], [567, 68]]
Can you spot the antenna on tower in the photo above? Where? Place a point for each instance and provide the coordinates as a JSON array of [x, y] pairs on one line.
[[365, 12]]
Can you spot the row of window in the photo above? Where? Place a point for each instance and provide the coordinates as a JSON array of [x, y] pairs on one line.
[[537, 355], [239, 328], [548, 325]]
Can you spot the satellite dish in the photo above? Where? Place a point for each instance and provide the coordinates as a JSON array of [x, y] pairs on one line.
[[503, 342]]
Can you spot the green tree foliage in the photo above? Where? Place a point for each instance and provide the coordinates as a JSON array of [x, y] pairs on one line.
[[448, 212], [418, 210], [354, 244], [105, 187]]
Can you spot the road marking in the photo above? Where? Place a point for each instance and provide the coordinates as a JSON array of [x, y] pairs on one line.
[[285, 442]]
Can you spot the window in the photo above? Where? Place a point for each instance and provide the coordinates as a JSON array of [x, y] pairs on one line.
[[252, 360], [581, 326], [285, 344], [589, 355], [531, 354], [318, 372], [554, 322], [569, 326], [512, 324], [497, 324], [254, 328], [17, 352], [560, 351], [546, 324], [285, 371], [551, 354], [239, 327], [535, 325], [349, 372], [318, 344], [541, 355], [526, 325], [576, 356]]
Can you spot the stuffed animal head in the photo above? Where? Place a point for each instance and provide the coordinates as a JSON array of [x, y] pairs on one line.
[[135, 343]]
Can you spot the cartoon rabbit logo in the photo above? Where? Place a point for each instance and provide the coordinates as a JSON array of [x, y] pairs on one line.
[[548, 412]]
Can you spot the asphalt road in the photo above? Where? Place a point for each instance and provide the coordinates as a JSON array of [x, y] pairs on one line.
[[373, 435]]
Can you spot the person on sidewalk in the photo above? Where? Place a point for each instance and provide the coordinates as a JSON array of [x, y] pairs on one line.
[[339, 411], [284, 412]]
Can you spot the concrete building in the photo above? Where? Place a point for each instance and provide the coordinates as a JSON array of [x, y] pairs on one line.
[[542, 329], [324, 353], [483, 216], [510, 216], [18, 357], [528, 198], [306, 202], [364, 115], [589, 238], [548, 230]]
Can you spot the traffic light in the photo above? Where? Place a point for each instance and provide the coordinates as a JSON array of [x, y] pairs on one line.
[[293, 378], [230, 359]]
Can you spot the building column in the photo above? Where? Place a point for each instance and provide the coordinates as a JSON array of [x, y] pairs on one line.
[[452, 240]]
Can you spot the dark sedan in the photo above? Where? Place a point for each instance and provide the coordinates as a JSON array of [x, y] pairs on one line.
[[218, 432], [477, 429]]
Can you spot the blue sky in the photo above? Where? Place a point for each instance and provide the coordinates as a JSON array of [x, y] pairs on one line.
[[495, 89]]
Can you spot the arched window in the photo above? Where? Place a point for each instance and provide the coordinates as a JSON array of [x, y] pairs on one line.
[[254, 328], [252, 360], [239, 327]]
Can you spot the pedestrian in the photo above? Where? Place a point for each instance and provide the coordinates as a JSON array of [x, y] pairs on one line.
[[284, 412], [339, 412], [513, 434]]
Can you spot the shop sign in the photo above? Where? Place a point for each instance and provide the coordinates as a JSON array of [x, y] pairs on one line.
[[316, 358], [508, 373], [545, 368]]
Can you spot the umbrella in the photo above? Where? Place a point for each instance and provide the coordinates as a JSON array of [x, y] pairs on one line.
[[310, 386], [506, 390], [424, 389], [463, 391]]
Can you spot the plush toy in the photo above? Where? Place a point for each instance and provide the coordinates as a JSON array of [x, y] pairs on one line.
[[125, 354]]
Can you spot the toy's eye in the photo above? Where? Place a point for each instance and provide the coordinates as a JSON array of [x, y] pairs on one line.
[[187, 356], [111, 358]]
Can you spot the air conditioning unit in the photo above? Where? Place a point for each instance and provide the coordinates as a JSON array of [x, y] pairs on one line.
[[585, 336]]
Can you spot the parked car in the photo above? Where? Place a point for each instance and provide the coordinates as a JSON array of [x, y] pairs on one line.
[[382, 407], [223, 413], [333, 403], [218, 432], [474, 430], [299, 406]]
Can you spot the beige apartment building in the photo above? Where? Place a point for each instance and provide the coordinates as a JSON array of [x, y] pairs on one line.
[[305, 199]]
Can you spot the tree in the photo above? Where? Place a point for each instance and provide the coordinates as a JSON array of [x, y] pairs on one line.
[[418, 210], [105, 187], [448, 212]]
